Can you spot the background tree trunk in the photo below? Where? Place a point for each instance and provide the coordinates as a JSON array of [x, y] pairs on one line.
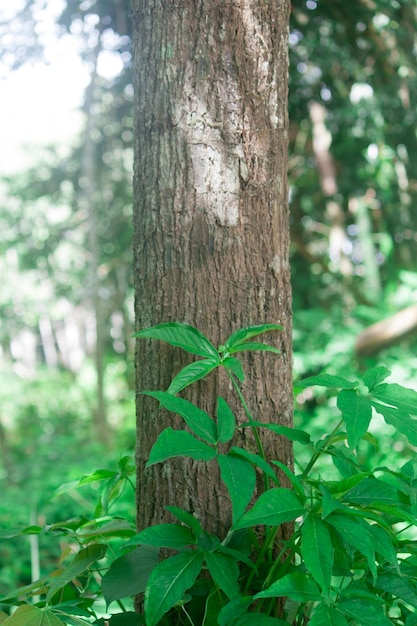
[[211, 241]]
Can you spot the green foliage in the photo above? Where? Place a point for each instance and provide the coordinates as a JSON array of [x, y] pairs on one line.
[[350, 558]]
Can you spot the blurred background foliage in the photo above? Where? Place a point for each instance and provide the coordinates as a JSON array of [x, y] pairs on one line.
[[67, 395]]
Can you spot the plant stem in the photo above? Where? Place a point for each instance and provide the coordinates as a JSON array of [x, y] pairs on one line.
[[318, 454]]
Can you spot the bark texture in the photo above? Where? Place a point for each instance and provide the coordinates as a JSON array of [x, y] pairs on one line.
[[211, 242]]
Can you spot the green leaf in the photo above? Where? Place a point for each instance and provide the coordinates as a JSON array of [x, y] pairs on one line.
[[27, 615], [243, 334], [356, 412], [164, 536], [272, 508], [399, 586], [257, 619], [293, 434], [172, 443], [402, 421], [82, 560], [239, 477], [374, 376], [191, 373], [371, 490], [225, 572], [354, 532], [294, 480], [3, 616], [254, 346], [182, 336], [327, 380], [196, 419], [226, 423], [235, 366], [397, 396], [233, 610], [257, 461], [128, 575], [168, 582], [365, 612], [384, 543], [186, 518], [327, 616], [297, 586], [317, 551]]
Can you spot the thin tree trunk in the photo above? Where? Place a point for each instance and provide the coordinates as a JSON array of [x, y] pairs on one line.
[[211, 227]]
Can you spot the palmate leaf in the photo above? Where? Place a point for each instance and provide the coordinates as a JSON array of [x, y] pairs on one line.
[[128, 575], [182, 336], [244, 334], [297, 586], [317, 551], [239, 477], [168, 582], [356, 412], [196, 419], [27, 615], [191, 373], [224, 570], [172, 443], [273, 508]]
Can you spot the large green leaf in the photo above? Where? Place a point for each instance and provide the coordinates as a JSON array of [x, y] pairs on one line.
[[401, 420], [233, 610], [128, 575], [224, 570], [293, 434], [168, 582], [395, 395], [239, 477], [186, 518], [317, 551], [256, 460], [182, 336], [273, 507], [27, 615], [365, 612], [164, 536], [327, 380], [172, 443], [372, 490], [356, 412], [253, 346], [354, 531], [196, 419], [327, 616], [82, 560], [226, 423], [374, 376], [244, 334], [235, 366], [385, 543], [297, 586], [399, 586], [191, 373]]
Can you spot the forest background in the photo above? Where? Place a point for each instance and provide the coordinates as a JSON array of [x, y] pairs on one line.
[[66, 296]]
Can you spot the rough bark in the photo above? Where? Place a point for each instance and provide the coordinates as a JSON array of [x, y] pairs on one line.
[[211, 225]]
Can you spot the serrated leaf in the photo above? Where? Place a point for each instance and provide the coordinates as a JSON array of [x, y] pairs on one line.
[[317, 551], [172, 443], [225, 572], [164, 536], [235, 366], [168, 582], [374, 376], [273, 508], [297, 586], [254, 346], [244, 334], [400, 420], [364, 612], [82, 560], [397, 396], [239, 477], [327, 616], [327, 380], [226, 422], [196, 419], [182, 336], [186, 518], [356, 412], [191, 373], [128, 575], [27, 615]]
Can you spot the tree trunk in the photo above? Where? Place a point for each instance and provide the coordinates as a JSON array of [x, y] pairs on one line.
[[211, 224]]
